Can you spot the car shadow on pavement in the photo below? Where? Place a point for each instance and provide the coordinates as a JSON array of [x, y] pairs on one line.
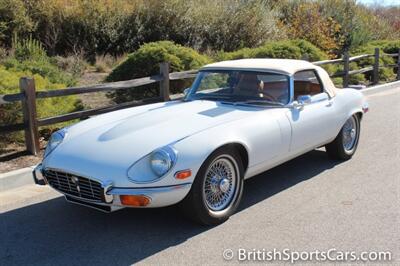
[[273, 181], [56, 232]]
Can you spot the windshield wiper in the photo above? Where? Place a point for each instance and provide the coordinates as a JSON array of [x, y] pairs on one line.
[[263, 102], [212, 97]]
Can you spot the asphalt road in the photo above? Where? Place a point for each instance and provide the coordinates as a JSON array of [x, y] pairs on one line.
[[310, 203]]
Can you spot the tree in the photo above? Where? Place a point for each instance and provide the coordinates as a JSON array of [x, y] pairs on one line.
[[305, 21]]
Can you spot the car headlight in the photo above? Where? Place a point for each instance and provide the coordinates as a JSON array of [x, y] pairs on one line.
[[55, 140], [162, 160]]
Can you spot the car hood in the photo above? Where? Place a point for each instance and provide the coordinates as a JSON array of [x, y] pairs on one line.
[[116, 140]]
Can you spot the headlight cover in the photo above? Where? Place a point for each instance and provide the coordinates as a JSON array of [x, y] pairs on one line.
[[55, 140], [154, 166], [162, 160]]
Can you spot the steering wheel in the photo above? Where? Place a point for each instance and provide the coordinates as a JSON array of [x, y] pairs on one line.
[[268, 96]]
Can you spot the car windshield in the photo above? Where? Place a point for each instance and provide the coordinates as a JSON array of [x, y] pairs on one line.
[[233, 86]]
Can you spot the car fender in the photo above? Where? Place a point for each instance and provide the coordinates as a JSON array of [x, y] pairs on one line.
[[348, 102]]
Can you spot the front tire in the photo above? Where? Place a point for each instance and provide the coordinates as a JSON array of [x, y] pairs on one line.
[[345, 144], [217, 189]]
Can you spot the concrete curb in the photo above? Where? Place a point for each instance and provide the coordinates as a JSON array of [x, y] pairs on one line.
[[16, 178], [381, 87]]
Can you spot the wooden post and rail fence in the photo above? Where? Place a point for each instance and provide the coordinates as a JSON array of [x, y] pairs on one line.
[[28, 94]]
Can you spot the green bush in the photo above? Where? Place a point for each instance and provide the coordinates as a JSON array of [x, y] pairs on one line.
[[145, 62], [385, 46], [14, 19], [42, 68], [294, 49], [29, 56], [11, 113], [28, 49], [119, 26], [91, 27]]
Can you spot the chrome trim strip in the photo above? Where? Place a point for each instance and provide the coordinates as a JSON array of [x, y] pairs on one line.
[[70, 195], [291, 90], [103, 184], [38, 176], [262, 70], [146, 191], [112, 207]]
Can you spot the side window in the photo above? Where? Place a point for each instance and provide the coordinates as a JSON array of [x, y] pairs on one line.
[[306, 83]]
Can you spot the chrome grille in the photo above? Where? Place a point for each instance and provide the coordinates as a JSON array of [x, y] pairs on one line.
[[74, 185]]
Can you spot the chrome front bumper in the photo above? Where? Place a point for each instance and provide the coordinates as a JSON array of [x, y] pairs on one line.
[[159, 196], [38, 177]]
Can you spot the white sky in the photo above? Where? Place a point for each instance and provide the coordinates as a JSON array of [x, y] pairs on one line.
[[381, 2]]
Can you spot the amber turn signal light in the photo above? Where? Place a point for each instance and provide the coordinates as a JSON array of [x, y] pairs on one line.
[[135, 200], [183, 174]]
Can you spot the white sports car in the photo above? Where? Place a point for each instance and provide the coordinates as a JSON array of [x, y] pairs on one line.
[[238, 119]]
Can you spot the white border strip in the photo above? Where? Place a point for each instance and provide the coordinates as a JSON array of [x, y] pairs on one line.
[[383, 86]]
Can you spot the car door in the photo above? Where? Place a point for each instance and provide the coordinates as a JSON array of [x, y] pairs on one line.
[[313, 122]]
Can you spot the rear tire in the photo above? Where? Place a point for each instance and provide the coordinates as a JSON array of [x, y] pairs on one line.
[[217, 189], [345, 144]]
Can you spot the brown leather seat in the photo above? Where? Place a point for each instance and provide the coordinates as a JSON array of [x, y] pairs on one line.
[[302, 87], [279, 90]]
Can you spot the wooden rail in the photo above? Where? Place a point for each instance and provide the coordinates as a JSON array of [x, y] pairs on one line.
[[28, 94]]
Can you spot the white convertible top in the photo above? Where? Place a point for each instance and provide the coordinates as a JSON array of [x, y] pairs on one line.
[[284, 66]]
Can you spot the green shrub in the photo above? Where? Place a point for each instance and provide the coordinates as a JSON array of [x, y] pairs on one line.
[[11, 113], [14, 19], [294, 49], [385, 46], [114, 27], [145, 62], [42, 68], [29, 56], [28, 49]]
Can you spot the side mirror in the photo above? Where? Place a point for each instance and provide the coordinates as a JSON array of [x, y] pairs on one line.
[[302, 100]]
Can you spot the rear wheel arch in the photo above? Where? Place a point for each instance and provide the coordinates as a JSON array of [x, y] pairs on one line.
[[360, 115], [336, 149]]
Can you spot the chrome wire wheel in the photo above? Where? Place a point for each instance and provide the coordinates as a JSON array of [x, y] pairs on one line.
[[220, 183], [350, 134]]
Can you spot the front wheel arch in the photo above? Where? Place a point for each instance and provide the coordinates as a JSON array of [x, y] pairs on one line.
[[240, 148]]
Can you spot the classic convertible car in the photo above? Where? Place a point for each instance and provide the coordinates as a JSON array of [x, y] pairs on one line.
[[238, 119]]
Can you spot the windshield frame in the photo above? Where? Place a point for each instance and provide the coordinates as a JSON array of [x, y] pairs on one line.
[[198, 79]]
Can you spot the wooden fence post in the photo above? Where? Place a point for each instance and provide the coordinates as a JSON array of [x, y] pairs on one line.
[[398, 64], [164, 84], [27, 86], [375, 77], [346, 69]]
